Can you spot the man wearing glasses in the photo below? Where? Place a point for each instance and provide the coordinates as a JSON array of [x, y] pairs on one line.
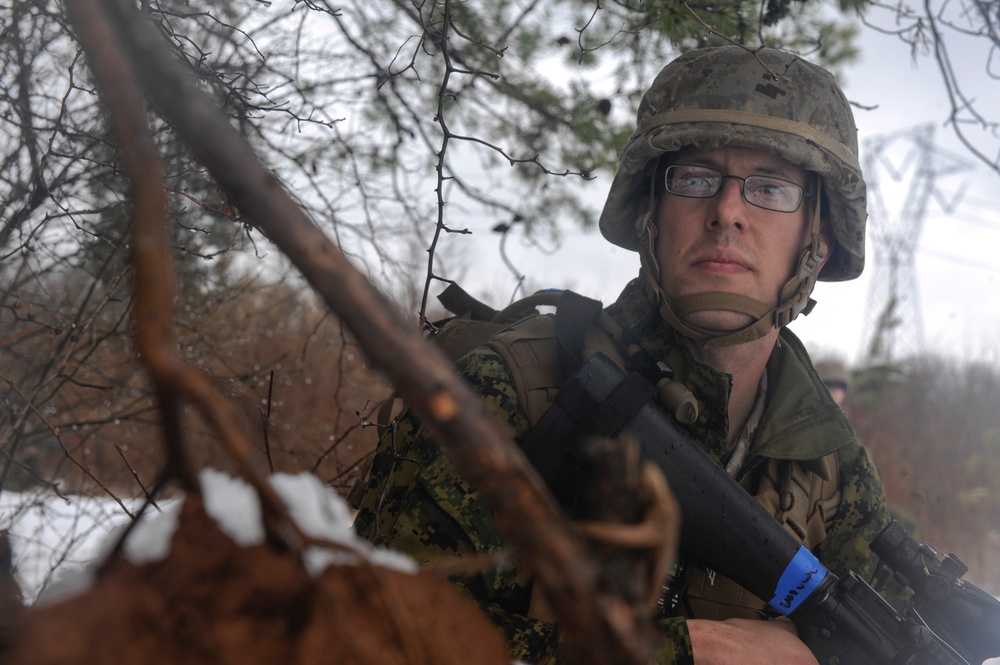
[[738, 190]]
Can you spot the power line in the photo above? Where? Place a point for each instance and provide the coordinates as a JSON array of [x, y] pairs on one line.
[[963, 261], [974, 220]]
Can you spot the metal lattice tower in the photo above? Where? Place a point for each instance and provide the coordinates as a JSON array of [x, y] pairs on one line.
[[901, 169]]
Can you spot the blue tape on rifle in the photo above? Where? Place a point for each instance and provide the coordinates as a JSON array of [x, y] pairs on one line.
[[800, 579]]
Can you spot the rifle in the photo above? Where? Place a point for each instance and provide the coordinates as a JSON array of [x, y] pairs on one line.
[[843, 620]]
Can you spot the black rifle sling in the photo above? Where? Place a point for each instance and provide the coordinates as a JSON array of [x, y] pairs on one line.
[[574, 412], [574, 315], [544, 444]]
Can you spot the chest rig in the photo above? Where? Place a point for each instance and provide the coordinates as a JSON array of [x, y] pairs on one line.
[[541, 352]]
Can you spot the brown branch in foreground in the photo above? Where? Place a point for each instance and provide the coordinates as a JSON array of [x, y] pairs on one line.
[[597, 627]]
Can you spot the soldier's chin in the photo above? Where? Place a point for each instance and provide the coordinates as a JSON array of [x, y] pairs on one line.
[[722, 321]]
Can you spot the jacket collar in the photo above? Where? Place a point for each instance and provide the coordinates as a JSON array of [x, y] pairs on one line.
[[800, 420]]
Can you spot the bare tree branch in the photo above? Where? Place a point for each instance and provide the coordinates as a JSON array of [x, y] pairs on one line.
[[484, 454], [173, 378]]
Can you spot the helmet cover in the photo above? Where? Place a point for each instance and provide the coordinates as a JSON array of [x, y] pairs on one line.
[[767, 99]]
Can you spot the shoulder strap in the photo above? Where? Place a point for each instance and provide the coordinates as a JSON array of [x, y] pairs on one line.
[[541, 351], [543, 357]]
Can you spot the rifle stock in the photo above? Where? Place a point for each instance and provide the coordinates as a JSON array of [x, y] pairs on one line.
[[842, 619]]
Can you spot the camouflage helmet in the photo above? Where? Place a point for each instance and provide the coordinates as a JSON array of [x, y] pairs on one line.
[[766, 99]]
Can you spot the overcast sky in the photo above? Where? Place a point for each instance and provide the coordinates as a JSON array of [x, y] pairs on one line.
[[955, 264]]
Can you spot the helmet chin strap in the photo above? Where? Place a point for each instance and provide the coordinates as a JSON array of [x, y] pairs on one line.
[[793, 300]]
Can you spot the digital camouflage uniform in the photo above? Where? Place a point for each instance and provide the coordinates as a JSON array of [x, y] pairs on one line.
[[415, 501], [763, 99]]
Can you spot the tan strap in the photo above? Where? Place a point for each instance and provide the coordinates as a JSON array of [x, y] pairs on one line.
[[803, 496], [760, 327], [732, 117]]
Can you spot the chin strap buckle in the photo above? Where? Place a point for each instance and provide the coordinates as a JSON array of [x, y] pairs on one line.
[[795, 297]]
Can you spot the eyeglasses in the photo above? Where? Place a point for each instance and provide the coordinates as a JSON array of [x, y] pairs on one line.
[[763, 191]]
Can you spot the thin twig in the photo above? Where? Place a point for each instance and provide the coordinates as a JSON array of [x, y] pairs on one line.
[[135, 475], [65, 449], [266, 423]]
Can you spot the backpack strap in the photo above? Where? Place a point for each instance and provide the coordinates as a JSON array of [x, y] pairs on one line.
[[460, 302], [543, 356], [471, 326]]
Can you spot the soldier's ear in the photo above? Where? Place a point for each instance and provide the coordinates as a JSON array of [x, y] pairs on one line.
[[828, 240]]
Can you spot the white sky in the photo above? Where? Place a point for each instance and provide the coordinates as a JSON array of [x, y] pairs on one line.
[[956, 266]]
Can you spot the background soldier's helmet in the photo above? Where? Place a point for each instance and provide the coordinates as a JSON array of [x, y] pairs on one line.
[[770, 100], [833, 373]]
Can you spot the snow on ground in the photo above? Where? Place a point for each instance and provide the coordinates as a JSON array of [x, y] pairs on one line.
[[57, 540], [49, 533]]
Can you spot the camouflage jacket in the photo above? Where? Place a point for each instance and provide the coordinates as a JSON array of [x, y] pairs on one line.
[[415, 502]]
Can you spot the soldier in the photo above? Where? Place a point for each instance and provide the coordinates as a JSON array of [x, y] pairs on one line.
[[739, 188], [835, 377]]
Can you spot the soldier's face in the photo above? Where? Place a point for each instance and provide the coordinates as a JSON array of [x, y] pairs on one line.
[[724, 243]]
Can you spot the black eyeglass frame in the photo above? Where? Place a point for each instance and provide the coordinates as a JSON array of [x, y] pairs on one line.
[[803, 194]]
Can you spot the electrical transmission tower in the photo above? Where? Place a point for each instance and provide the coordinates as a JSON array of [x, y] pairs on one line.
[[901, 169]]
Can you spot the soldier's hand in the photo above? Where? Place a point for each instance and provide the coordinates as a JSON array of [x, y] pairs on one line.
[[747, 642]]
